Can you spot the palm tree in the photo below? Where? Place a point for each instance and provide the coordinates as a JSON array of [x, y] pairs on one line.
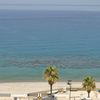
[[89, 84], [51, 75]]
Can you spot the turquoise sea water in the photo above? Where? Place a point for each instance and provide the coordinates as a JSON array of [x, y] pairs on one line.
[[30, 40]]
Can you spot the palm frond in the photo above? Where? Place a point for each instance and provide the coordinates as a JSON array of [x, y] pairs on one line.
[[51, 74]]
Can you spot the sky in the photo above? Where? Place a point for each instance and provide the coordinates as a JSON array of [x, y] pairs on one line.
[[51, 4]]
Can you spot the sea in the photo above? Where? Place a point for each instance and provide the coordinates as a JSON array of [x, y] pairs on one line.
[[30, 40]]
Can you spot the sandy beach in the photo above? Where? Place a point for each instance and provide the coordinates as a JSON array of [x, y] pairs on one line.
[[28, 87], [32, 87]]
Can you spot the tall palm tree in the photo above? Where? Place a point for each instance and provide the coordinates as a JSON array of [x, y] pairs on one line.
[[51, 74], [89, 84]]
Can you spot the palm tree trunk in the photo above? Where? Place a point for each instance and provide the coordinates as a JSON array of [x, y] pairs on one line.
[[88, 94], [51, 89]]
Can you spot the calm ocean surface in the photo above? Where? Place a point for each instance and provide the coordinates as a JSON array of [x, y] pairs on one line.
[[30, 40]]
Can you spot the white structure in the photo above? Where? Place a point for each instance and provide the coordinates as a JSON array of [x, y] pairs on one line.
[[19, 97], [61, 96]]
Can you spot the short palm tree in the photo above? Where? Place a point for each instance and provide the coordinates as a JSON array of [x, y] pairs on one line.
[[51, 74], [89, 84]]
